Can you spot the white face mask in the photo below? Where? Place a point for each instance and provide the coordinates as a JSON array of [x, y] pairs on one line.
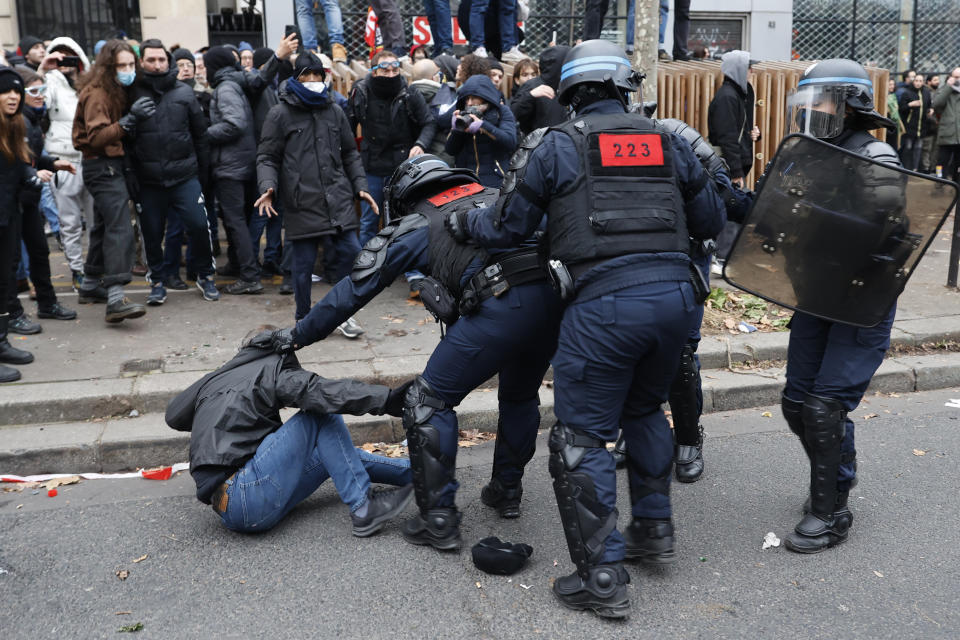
[[316, 87]]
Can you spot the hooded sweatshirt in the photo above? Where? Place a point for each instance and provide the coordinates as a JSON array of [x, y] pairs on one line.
[[62, 103], [730, 116], [487, 152], [533, 113]]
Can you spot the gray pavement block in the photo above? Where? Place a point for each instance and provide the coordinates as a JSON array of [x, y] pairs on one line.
[[933, 329], [62, 401], [357, 369], [893, 377], [730, 390], [146, 441], [155, 390], [934, 371], [395, 370], [60, 448]]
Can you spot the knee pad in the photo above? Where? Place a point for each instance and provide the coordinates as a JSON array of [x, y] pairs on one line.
[[824, 423], [420, 403]]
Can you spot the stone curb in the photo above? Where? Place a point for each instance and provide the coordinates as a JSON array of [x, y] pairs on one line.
[[125, 443]]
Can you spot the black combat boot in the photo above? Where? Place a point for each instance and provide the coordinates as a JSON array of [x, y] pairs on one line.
[[814, 534], [506, 500], [650, 541], [10, 354], [603, 591], [439, 527]]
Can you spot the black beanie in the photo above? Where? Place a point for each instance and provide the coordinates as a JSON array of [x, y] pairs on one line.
[[495, 64], [184, 54], [308, 61], [492, 555], [217, 58], [261, 56], [10, 79], [27, 43]]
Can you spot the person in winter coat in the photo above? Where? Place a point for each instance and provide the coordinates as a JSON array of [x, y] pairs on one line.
[[16, 174], [307, 153], [31, 228], [946, 103], [395, 125], [233, 152], [254, 469], [441, 97], [74, 202], [98, 132], [169, 154], [534, 102], [915, 106], [730, 116], [485, 144]]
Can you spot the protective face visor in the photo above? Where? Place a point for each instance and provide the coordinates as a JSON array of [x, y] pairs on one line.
[[817, 110]]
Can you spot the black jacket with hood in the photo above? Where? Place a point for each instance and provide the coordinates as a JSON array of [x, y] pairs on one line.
[[233, 143], [487, 152], [17, 175], [308, 156], [730, 116], [231, 410], [385, 143], [169, 147], [533, 113]]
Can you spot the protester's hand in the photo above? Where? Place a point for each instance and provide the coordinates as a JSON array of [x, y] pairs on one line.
[[370, 201], [415, 150], [49, 63], [143, 108], [456, 225], [264, 204], [755, 133], [737, 182], [543, 91], [394, 405], [65, 165], [44, 176], [287, 46], [453, 119], [474, 126], [128, 123]]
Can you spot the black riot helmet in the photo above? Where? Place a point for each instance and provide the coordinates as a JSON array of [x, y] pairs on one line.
[[818, 106], [415, 177], [603, 66]]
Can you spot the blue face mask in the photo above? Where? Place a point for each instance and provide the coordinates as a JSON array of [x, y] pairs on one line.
[[126, 78]]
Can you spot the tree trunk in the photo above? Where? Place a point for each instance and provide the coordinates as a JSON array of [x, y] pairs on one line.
[[646, 40]]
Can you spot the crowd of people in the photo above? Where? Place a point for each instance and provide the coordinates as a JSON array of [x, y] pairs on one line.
[[927, 115]]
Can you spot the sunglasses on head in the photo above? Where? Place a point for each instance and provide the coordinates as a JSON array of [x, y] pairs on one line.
[[392, 64], [36, 91]]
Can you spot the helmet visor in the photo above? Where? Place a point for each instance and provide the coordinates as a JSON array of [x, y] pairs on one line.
[[816, 110]]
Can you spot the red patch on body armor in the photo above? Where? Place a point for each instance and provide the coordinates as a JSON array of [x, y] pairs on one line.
[[630, 150], [460, 191]]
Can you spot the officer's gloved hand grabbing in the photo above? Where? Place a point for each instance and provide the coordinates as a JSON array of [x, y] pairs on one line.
[[280, 341], [456, 224], [394, 405]]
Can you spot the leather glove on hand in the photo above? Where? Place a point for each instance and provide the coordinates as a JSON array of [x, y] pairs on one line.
[[279, 341], [143, 108], [129, 123], [456, 224], [394, 405]]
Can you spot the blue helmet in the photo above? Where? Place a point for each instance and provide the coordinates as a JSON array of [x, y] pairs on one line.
[[597, 62]]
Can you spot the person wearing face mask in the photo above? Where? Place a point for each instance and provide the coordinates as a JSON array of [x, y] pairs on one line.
[[485, 144], [99, 129], [187, 74], [169, 153], [396, 124], [308, 155]]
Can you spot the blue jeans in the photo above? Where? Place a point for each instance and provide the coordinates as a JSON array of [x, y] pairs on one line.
[[507, 20], [308, 28], [631, 16], [297, 458], [438, 14], [339, 251], [369, 221], [272, 252], [49, 208]]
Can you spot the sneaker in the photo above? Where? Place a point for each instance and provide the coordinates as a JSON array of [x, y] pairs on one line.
[[481, 52], [513, 55], [338, 52], [77, 279], [286, 287], [350, 329], [663, 56], [23, 325], [716, 267], [208, 289], [92, 296], [124, 310], [11, 355], [57, 312], [381, 506], [241, 287], [8, 374], [158, 295], [175, 283], [314, 278]]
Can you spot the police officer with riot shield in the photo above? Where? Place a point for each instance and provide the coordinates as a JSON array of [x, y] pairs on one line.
[[502, 317], [621, 201]]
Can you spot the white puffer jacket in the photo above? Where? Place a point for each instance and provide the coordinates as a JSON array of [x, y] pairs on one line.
[[62, 105]]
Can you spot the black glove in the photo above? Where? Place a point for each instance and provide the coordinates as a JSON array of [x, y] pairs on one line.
[[129, 123], [394, 406], [456, 224], [280, 341], [143, 108]]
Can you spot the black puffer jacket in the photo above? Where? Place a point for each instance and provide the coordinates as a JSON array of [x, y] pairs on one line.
[[531, 112], [309, 157], [233, 143], [386, 144], [169, 147], [231, 410], [730, 121]]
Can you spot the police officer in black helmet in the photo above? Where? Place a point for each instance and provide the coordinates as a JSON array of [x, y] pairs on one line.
[[621, 201]]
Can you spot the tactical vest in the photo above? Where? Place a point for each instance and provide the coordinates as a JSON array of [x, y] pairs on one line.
[[448, 259], [626, 198]]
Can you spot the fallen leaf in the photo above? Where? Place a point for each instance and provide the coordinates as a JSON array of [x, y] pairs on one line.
[[140, 559], [878, 574], [766, 414], [869, 416], [919, 452], [729, 323], [123, 574], [53, 483], [122, 613], [131, 628]]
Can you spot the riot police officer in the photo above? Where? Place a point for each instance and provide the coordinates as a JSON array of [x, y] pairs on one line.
[[502, 315], [829, 364], [621, 202]]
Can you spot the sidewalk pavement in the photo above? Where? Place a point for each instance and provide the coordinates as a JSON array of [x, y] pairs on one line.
[[94, 398]]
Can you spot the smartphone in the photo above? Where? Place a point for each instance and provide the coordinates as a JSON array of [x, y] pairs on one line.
[[292, 28], [69, 61]]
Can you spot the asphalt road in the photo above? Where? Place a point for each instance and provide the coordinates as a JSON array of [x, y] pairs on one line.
[[897, 576]]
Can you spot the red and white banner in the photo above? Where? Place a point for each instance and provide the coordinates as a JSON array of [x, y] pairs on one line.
[[422, 34], [157, 473]]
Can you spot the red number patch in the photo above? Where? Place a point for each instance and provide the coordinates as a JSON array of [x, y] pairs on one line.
[[461, 191], [630, 150]]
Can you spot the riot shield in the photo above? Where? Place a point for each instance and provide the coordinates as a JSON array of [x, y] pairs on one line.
[[834, 234]]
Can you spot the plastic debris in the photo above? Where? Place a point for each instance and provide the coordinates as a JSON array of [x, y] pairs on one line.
[[134, 413], [52, 493], [953, 404], [770, 540], [746, 327]]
